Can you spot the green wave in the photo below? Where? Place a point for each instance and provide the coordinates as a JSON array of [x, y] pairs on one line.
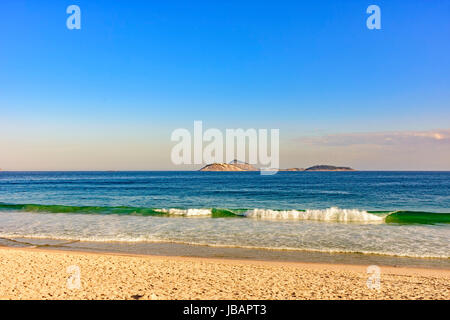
[[105, 210], [398, 217], [122, 210], [415, 217], [223, 213]]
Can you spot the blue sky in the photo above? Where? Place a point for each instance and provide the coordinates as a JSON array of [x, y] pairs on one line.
[[139, 69]]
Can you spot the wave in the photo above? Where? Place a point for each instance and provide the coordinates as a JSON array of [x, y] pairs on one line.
[[330, 214], [186, 212], [406, 217]]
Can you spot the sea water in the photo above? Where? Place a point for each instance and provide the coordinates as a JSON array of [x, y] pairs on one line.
[[385, 213]]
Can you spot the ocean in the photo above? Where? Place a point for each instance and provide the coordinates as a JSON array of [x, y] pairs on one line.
[[397, 214]]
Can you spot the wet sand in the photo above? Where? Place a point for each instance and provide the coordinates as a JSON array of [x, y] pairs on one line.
[[27, 273], [235, 253]]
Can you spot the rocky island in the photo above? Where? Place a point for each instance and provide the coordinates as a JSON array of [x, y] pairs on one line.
[[328, 168], [320, 168], [236, 165]]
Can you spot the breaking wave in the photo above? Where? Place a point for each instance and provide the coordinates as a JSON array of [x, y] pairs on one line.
[[330, 214]]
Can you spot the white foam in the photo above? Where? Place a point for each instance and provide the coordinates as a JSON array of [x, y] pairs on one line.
[[186, 212], [330, 214]]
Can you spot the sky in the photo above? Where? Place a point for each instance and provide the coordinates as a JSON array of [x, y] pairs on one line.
[[108, 96]]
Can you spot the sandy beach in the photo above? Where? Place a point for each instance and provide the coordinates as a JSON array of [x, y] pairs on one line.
[[44, 274]]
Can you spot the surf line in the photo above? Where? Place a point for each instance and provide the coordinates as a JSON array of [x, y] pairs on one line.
[[32, 245]]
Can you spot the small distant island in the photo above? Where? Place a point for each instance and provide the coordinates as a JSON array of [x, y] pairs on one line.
[[236, 165], [328, 168], [292, 169]]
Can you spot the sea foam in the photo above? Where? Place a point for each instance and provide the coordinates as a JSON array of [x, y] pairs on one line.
[[330, 214], [186, 212]]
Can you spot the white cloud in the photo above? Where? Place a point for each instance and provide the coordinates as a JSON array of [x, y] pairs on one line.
[[405, 138]]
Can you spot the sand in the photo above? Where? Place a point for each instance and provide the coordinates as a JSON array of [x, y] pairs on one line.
[[43, 274]]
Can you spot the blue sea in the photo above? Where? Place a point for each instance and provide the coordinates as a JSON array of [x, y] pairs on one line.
[[403, 214]]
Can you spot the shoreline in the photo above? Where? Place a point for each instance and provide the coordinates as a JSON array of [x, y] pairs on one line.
[[398, 270], [171, 249], [38, 273]]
